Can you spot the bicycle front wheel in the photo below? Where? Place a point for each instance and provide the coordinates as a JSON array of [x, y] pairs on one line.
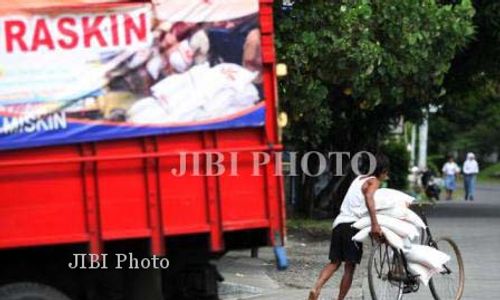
[[449, 284], [385, 271]]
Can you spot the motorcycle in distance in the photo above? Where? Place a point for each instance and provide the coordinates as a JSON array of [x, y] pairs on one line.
[[431, 185]]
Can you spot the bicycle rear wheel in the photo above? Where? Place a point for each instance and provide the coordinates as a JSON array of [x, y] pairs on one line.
[[385, 273], [449, 284]]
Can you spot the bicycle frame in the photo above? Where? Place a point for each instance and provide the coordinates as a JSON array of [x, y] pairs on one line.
[[407, 281]]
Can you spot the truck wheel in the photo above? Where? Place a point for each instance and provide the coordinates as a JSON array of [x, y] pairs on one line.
[[30, 291], [199, 282]]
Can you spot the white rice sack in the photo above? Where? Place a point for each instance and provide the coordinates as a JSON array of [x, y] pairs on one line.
[[362, 235], [395, 212], [427, 256], [404, 214], [401, 228], [393, 239], [147, 110], [387, 198], [201, 93], [407, 244], [383, 200], [414, 219], [424, 273], [363, 222]]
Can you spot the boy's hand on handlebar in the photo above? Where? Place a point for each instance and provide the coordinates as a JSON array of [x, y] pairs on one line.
[[377, 233]]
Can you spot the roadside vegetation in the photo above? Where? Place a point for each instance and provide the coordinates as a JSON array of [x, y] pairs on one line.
[[490, 174], [358, 69]]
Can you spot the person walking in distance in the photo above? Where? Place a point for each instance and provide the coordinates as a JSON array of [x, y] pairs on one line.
[[450, 173], [470, 171], [343, 249]]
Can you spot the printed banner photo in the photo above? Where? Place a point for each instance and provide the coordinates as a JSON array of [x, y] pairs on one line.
[[95, 73]]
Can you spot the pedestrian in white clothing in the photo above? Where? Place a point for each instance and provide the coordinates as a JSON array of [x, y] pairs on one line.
[[470, 170], [450, 173]]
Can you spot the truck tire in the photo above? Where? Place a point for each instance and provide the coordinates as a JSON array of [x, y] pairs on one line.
[[30, 291], [199, 282]]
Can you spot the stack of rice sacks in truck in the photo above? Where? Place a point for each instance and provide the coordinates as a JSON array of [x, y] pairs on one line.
[[402, 229]]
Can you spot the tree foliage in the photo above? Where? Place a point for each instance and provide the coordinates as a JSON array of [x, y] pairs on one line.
[[470, 117], [479, 64], [399, 157], [357, 66], [469, 121]]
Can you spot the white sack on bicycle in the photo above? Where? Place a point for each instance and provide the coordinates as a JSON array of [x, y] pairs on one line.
[[414, 219], [427, 256], [387, 198], [397, 212], [393, 239], [401, 228], [424, 273], [362, 235]]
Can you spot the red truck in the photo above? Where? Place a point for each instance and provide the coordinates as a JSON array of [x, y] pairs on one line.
[[92, 173]]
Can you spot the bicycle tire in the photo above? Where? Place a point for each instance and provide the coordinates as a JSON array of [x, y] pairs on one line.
[[372, 264], [461, 272]]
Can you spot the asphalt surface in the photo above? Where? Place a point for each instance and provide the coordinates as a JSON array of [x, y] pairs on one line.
[[251, 278], [474, 226]]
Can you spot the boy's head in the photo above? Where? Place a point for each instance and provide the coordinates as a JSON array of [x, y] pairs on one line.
[[382, 167]]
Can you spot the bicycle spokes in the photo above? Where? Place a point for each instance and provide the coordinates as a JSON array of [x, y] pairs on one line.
[[384, 267], [449, 283]]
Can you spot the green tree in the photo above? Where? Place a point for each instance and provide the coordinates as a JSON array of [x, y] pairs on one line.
[[469, 121], [469, 118], [400, 159], [357, 67]]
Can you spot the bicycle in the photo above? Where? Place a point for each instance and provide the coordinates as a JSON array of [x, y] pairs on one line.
[[390, 278]]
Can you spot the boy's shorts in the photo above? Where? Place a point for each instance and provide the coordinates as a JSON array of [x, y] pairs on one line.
[[342, 247]]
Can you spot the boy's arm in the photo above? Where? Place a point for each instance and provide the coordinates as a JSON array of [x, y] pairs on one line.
[[369, 189]]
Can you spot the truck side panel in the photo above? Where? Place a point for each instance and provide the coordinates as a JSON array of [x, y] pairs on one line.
[[122, 189], [33, 209]]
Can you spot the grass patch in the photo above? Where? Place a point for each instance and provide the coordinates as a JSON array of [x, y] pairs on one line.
[[490, 174]]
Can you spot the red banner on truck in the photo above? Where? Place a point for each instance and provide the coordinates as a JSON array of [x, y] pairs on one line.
[[94, 73]]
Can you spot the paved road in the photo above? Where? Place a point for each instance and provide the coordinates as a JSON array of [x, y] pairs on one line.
[[475, 226], [257, 279]]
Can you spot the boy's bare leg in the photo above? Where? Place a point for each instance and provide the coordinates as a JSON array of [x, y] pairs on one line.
[[346, 282], [324, 275]]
